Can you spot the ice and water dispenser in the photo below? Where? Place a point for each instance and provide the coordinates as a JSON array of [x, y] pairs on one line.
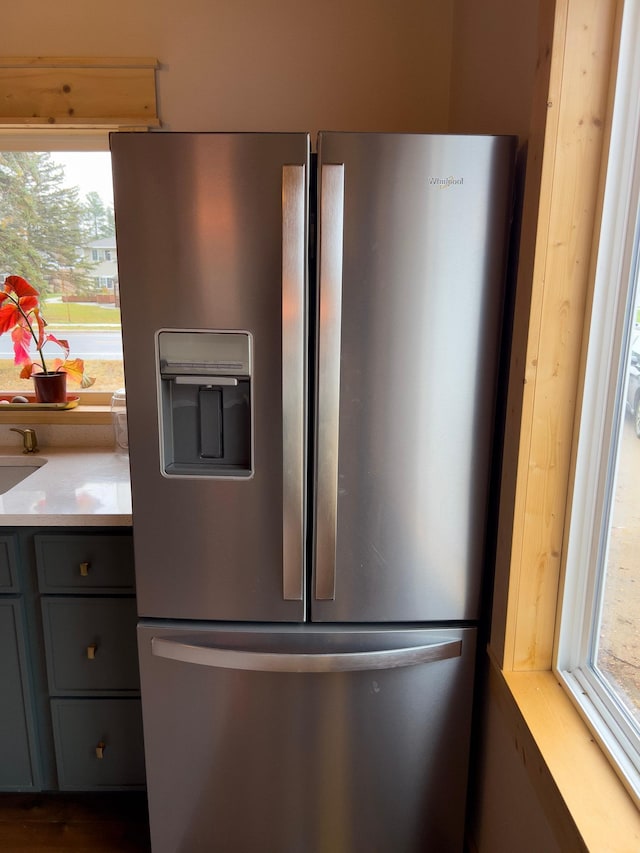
[[204, 380]]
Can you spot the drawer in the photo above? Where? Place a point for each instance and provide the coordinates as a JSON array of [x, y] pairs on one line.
[[90, 644], [98, 743], [86, 564], [8, 564]]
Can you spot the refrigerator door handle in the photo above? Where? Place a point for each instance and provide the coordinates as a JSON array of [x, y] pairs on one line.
[[258, 661], [293, 367], [330, 324]]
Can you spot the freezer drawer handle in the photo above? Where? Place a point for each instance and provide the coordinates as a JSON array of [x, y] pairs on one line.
[[293, 380], [330, 311], [224, 658]]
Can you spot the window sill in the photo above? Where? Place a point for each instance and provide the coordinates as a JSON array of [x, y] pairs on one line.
[[83, 414], [583, 798]]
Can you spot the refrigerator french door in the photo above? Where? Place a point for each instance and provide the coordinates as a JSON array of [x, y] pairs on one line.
[[311, 352]]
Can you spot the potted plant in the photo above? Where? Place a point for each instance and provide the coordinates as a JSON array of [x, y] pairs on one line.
[[21, 315]]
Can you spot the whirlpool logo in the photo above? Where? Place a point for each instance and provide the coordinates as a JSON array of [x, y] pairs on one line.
[[445, 183]]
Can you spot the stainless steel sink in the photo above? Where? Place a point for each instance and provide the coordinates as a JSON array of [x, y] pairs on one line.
[[15, 469]]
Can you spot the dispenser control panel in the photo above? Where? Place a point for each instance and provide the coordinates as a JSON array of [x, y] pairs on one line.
[[205, 403]]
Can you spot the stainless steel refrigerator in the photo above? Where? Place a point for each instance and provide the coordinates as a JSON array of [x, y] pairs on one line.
[[311, 344]]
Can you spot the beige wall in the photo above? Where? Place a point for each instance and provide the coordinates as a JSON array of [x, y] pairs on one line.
[[407, 65], [493, 66], [263, 64]]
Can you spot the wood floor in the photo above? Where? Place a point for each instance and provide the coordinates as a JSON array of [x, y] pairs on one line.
[[78, 823]]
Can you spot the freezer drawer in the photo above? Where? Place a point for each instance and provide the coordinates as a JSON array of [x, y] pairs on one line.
[[306, 739]]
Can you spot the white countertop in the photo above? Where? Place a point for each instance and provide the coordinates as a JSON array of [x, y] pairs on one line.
[[77, 486]]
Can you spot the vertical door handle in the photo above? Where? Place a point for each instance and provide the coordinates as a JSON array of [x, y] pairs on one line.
[[331, 228], [84, 570], [293, 379]]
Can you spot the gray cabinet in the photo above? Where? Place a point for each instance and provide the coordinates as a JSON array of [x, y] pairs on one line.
[[70, 716], [17, 770], [89, 624], [18, 748]]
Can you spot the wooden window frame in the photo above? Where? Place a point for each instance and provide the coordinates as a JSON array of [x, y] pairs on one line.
[[113, 93], [580, 794]]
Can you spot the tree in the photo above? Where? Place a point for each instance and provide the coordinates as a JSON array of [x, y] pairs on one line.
[[98, 218], [40, 222]]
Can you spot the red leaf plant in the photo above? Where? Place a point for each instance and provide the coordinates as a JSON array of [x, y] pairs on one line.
[[20, 314]]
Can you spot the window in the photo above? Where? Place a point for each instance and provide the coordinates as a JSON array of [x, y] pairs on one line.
[[60, 108], [598, 654], [58, 232]]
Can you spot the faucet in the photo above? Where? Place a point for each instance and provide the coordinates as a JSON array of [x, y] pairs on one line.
[[29, 439]]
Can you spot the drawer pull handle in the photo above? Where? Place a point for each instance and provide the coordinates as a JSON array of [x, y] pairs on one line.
[[91, 651], [100, 748], [84, 570]]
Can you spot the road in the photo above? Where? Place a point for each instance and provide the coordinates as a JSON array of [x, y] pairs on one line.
[[102, 345]]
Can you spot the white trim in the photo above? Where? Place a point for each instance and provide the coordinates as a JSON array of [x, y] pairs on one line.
[[594, 702]]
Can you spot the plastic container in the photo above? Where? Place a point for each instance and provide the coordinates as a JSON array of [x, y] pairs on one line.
[[119, 418]]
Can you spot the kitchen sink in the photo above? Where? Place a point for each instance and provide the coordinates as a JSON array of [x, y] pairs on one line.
[[15, 469]]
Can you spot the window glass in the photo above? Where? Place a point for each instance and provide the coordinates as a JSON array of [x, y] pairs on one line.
[[615, 643], [56, 209], [615, 652]]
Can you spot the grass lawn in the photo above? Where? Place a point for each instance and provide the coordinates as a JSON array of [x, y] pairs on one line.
[[108, 376], [79, 314]]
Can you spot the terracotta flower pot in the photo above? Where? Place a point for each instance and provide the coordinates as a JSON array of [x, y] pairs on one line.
[[50, 387]]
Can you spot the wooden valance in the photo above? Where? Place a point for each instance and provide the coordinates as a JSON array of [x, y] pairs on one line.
[[70, 92]]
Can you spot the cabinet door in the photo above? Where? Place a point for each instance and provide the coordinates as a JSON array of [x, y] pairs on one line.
[[17, 771], [8, 565]]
